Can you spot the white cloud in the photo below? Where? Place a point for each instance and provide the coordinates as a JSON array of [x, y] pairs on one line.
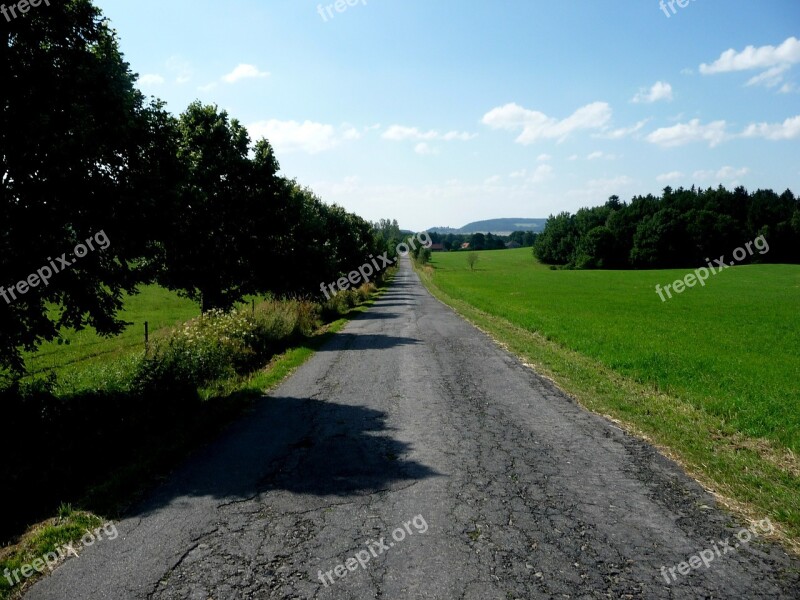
[[726, 174], [292, 136], [774, 61], [671, 176], [573, 157], [788, 130], [351, 134], [492, 180], [543, 157], [151, 79], [424, 149], [244, 71], [399, 133], [461, 136], [598, 190], [660, 90], [685, 133], [541, 173], [181, 68], [537, 126], [623, 132], [755, 58], [769, 78], [598, 155]]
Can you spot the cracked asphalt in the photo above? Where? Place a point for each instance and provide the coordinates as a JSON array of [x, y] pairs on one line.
[[412, 412]]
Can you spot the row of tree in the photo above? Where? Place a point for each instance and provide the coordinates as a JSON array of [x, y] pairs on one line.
[[481, 241], [680, 228], [186, 201]]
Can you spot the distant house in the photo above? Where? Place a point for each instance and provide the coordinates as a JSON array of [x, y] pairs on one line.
[[465, 246], [513, 244], [437, 248]]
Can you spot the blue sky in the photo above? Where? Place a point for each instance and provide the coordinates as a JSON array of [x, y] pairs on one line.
[[443, 112]]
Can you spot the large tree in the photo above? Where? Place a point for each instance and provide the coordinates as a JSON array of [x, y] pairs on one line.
[[77, 147], [206, 257]]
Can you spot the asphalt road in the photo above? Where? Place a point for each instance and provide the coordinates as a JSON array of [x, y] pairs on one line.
[[413, 458]]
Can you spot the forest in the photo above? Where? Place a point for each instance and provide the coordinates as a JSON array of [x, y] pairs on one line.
[[680, 228]]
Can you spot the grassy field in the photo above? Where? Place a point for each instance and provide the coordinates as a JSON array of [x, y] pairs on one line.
[[712, 374], [93, 364], [88, 357]]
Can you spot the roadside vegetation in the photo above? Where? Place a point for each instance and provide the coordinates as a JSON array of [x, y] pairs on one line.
[[99, 429], [116, 212], [709, 376]]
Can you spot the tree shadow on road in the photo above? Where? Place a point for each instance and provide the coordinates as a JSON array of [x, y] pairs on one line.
[[299, 445], [367, 341]]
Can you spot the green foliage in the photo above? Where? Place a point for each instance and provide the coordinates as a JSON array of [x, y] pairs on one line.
[[681, 228], [189, 202], [81, 151], [121, 404], [219, 344]]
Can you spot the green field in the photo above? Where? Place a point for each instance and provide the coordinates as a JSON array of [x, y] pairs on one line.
[[88, 357], [712, 374]]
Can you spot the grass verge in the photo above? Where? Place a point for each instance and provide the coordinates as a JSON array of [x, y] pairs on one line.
[[753, 477], [221, 404]]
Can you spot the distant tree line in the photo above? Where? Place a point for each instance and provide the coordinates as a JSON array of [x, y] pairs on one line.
[[189, 202], [481, 241], [680, 228]]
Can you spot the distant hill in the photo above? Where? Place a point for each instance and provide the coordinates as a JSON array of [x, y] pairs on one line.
[[498, 226]]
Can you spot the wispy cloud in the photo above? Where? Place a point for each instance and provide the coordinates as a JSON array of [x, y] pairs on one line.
[[660, 90], [773, 60], [622, 132], [151, 80], [424, 149], [597, 155], [685, 133], [788, 130], [180, 68], [726, 174], [293, 136], [598, 190], [399, 133], [715, 133], [537, 126], [244, 71], [671, 176]]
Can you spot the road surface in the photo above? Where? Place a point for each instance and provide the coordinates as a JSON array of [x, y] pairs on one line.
[[413, 458]]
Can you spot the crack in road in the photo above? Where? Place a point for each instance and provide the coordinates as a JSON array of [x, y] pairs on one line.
[[411, 412]]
